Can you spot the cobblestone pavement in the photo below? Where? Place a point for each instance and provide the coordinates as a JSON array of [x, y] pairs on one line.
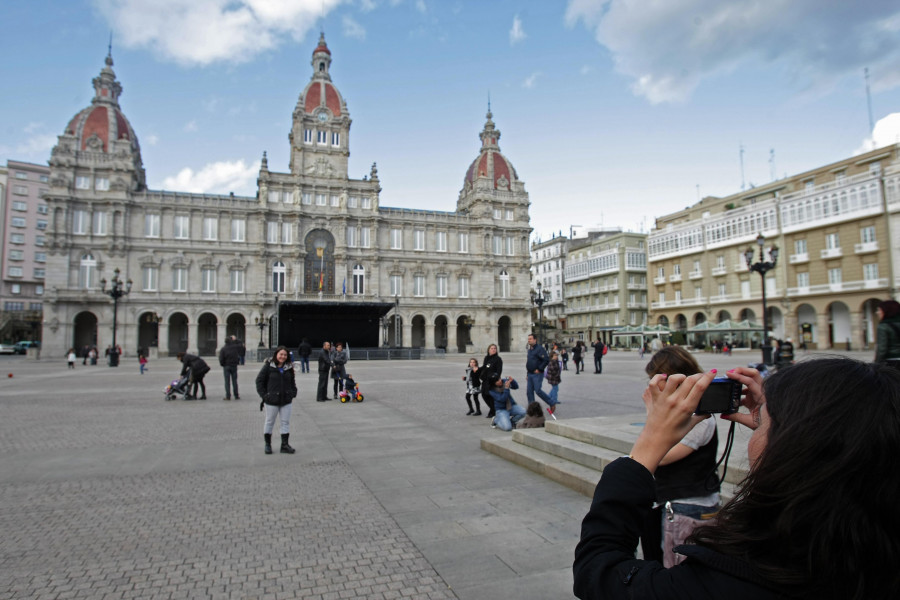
[[107, 491]]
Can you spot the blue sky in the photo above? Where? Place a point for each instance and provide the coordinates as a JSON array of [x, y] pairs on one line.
[[612, 112]]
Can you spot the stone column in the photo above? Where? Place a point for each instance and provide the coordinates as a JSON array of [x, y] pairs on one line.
[[452, 341], [407, 332], [429, 336], [856, 330], [193, 336], [822, 341], [220, 334]]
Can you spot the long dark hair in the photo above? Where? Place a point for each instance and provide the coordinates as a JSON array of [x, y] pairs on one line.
[[817, 516], [274, 358], [671, 360]]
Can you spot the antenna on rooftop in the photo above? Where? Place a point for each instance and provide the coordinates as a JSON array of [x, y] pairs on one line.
[[741, 154], [869, 103], [110, 44], [772, 163]]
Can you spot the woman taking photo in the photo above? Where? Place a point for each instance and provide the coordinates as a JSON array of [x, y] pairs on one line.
[[492, 365], [276, 386], [815, 518]]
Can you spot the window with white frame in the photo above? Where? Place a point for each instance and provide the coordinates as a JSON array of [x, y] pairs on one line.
[[87, 272], [100, 222], [150, 278], [274, 196], [271, 232], [237, 281], [322, 137], [16, 255], [367, 202], [39, 240], [43, 209], [723, 290], [279, 272], [41, 224], [870, 272], [396, 285], [335, 200], [396, 239], [504, 284], [208, 280], [676, 269], [39, 290], [832, 241], [21, 175], [210, 228], [182, 227], [306, 198], [238, 230], [307, 136], [698, 292], [497, 213], [352, 201], [15, 271], [82, 182], [441, 241], [510, 245], [351, 236], [509, 214], [321, 200], [660, 272], [463, 286], [101, 184], [287, 233], [17, 222], [834, 275], [179, 279], [40, 257], [359, 280], [464, 243], [151, 225], [364, 237], [800, 246], [720, 261], [802, 280], [80, 220], [335, 138], [19, 205], [15, 288], [497, 244], [418, 285], [419, 239], [21, 190], [440, 284], [867, 234]]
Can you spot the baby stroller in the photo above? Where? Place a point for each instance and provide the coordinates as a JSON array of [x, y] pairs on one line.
[[178, 387], [350, 391]]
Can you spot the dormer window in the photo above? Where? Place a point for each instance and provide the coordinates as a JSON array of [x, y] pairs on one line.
[[321, 67]]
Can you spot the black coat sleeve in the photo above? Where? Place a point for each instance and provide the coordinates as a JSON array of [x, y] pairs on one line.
[[262, 381]]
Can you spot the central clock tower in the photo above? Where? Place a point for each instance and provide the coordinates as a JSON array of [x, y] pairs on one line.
[[320, 135]]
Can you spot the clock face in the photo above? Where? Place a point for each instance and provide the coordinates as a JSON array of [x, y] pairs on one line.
[[322, 116]]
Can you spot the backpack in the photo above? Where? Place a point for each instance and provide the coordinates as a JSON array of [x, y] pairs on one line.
[[605, 350]]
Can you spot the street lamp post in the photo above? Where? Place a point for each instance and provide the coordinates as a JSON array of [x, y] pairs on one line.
[[261, 323], [538, 299], [117, 289], [762, 267]]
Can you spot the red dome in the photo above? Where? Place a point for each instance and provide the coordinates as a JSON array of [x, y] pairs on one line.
[[107, 123], [314, 97], [490, 163]]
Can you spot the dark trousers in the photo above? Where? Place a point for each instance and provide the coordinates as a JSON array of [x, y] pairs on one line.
[[231, 380], [322, 389], [304, 364], [195, 382], [598, 364]]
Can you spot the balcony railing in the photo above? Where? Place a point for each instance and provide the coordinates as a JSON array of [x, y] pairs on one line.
[[659, 280], [802, 257], [696, 274], [832, 253], [865, 247], [719, 270], [844, 286], [675, 277]]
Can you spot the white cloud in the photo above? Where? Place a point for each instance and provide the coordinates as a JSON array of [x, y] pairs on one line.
[[885, 133], [352, 28], [669, 47], [152, 139], [531, 80], [420, 6], [216, 178], [37, 145], [516, 34], [585, 69], [190, 126], [200, 32], [367, 5]]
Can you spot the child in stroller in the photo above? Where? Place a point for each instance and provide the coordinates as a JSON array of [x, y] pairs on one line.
[[351, 392], [178, 387]]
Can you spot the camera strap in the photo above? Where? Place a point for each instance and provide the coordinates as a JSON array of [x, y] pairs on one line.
[[729, 442]]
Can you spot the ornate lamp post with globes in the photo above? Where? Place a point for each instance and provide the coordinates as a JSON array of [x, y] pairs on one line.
[[538, 298], [117, 289], [762, 267]]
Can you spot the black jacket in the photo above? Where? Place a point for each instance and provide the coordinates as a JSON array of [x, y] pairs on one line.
[[276, 385], [195, 365], [230, 354], [605, 566], [304, 350], [492, 365], [324, 362]]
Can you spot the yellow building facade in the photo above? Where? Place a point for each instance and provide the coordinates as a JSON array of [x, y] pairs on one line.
[[836, 229]]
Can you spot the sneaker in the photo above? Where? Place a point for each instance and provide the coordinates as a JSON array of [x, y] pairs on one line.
[[493, 424], [226, 399]]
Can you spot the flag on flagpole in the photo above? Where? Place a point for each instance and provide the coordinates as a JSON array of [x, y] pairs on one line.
[[344, 287], [321, 280]]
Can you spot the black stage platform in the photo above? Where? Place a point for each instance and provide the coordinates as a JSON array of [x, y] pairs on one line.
[[355, 323]]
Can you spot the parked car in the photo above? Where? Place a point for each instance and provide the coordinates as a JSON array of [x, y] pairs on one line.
[[7, 349], [21, 347]]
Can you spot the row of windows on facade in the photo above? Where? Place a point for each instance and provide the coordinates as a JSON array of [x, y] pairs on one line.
[[19, 238], [19, 222], [24, 176], [16, 289], [607, 300], [22, 206], [22, 190], [16, 254], [287, 197], [605, 264], [88, 279], [321, 137], [14, 271], [832, 246], [356, 236], [603, 283], [18, 306], [634, 318]]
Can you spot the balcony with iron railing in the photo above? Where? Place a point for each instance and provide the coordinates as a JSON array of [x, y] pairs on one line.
[[832, 252], [865, 247], [796, 259], [695, 275]]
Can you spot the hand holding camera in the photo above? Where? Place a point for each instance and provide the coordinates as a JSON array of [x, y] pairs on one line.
[[753, 397]]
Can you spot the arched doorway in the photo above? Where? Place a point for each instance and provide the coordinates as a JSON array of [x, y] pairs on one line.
[[440, 332], [504, 334], [723, 315], [206, 334], [869, 321], [807, 324], [418, 332], [148, 332], [699, 318], [776, 323], [747, 314], [318, 266], [838, 325], [85, 331], [236, 325], [178, 333], [663, 320], [463, 333]]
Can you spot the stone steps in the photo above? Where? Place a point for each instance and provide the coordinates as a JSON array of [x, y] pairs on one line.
[[574, 452]]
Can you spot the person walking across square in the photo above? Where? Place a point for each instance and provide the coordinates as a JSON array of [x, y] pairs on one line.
[[230, 358], [303, 352], [599, 348], [535, 364]]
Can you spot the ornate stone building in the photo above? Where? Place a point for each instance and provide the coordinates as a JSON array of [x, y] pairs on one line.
[[314, 254]]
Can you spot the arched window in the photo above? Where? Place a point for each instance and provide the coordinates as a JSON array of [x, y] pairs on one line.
[[359, 280], [87, 272], [278, 274], [504, 284]]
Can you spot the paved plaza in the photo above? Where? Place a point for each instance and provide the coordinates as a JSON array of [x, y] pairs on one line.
[[108, 491]]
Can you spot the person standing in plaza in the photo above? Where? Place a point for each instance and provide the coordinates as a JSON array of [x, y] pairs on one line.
[[230, 358], [303, 352], [554, 377], [473, 386], [277, 388], [564, 357], [535, 364], [142, 361], [338, 372], [324, 368], [577, 353], [492, 365], [70, 358], [599, 350], [887, 349]]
